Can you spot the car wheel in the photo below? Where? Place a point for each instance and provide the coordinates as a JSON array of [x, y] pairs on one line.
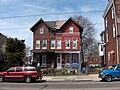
[[28, 79], [108, 78], [41, 78], [1, 78]]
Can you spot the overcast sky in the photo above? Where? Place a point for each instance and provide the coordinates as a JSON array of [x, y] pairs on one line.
[[19, 27]]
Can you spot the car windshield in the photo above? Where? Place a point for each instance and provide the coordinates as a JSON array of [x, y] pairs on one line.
[[112, 67]]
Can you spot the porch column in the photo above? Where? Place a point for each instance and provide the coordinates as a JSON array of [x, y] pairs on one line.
[[71, 58], [79, 63], [60, 60]]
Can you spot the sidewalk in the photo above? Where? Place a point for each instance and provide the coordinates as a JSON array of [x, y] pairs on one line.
[[89, 77]]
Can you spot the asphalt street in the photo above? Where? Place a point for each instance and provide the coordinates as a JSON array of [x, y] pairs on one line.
[[87, 85]]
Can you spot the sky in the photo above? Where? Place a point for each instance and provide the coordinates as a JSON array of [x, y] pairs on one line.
[[19, 27]]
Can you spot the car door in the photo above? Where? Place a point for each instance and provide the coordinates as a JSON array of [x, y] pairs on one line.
[[116, 72], [18, 74], [10, 74]]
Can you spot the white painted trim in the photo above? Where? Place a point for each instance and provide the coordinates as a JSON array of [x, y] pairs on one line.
[[108, 8]]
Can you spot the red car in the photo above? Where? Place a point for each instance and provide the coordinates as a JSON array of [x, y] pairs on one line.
[[26, 74]]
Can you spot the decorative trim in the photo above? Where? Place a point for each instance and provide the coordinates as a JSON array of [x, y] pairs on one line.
[[108, 8]]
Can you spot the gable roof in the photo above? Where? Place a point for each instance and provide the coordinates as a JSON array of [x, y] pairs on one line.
[[37, 23], [72, 19], [53, 25]]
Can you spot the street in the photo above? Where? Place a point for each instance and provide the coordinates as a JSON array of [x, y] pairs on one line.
[[86, 85]]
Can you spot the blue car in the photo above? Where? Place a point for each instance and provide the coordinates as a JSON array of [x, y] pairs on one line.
[[110, 74]]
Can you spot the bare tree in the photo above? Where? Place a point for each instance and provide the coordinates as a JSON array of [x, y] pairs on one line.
[[89, 45]]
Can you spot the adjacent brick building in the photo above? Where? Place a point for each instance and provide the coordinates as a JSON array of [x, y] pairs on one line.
[[57, 43], [112, 32]]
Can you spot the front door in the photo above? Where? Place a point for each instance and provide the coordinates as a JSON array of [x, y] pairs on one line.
[[58, 62]]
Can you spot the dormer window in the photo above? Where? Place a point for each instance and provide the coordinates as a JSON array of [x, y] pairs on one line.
[[71, 29], [41, 30]]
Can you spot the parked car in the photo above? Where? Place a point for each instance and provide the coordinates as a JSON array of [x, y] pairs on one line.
[[27, 74], [112, 73]]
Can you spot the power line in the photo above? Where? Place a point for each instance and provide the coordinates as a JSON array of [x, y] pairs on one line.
[[14, 28], [49, 14]]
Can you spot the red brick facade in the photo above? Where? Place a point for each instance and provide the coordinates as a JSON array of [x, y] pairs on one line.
[[59, 44], [112, 32]]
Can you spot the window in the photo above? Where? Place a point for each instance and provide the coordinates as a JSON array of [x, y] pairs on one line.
[[10, 70], [52, 44], [106, 23], [44, 44], [112, 12], [101, 47], [44, 59], [108, 56], [74, 58], [71, 29], [67, 59], [58, 44], [37, 44], [113, 30], [107, 37], [67, 43], [29, 69], [41, 30], [74, 43], [18, 69]]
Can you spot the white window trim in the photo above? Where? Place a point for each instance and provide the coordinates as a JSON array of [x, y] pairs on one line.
[[76, 41], [66, 43], [60, 44], [106, 22], [52, 41], [71, 31], [107, 37], [108, 56], [46, 44], [41, 30], [112, 9], [114, 30], [37, 42]]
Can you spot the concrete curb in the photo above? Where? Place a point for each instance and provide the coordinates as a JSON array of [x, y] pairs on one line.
[[79, 78]]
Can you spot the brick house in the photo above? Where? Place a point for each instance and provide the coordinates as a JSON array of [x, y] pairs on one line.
[[112, 32], [57, 43]]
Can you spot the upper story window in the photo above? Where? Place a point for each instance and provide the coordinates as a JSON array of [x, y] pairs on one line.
[[71, 29], [37, 44], [112, 9], [102, 38], [52, 44], [41, 30], [113, 30], [107, 37], [106, 22], [74, 43], [58, 44], [44, 44], [101, 48], [67, 41]]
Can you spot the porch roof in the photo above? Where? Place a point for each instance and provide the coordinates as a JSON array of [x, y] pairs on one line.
[[67, 51]]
